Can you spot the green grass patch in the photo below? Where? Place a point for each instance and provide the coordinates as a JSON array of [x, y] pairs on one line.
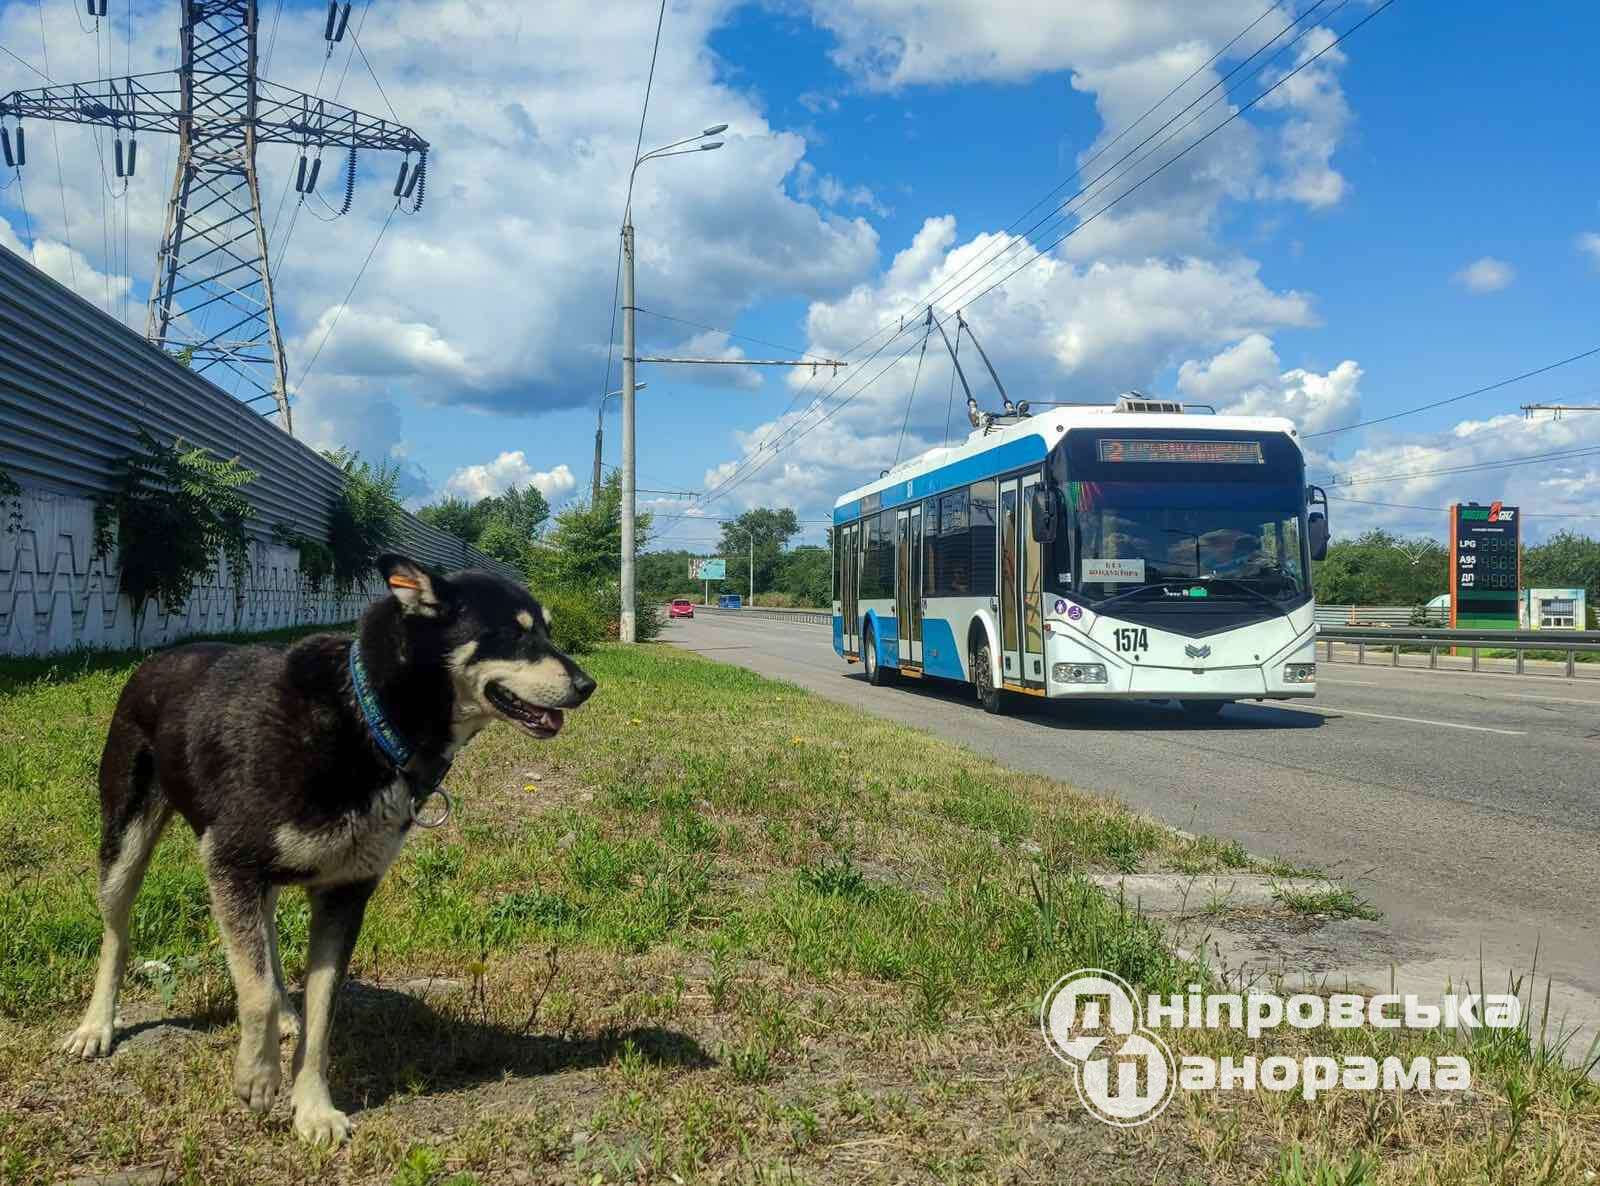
[[718, 929]]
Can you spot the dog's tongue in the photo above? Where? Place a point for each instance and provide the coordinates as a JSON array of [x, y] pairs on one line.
[[550, 718]]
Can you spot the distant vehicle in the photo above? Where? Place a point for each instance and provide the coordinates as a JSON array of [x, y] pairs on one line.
[[1135, 551], [681, 607], [729, 601]]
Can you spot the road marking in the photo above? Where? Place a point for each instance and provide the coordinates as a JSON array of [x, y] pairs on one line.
[[1383, 716]]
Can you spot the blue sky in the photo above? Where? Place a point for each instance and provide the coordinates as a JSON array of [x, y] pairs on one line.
[[1407, 225]]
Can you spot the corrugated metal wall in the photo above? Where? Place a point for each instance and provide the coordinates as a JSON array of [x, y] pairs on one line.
[[74, 383]]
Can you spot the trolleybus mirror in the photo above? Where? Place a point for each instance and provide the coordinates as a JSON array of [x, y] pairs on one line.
[[1317, 522]]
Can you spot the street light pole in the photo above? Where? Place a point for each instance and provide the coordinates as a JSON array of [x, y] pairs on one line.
[[627, 626], [599, 440]]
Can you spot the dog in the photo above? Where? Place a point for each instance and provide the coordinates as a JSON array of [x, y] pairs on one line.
[[309, 766]]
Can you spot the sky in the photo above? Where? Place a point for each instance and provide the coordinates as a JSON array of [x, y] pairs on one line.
[[1409, 214]]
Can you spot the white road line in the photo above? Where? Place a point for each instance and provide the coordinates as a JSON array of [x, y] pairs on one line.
[[1383, 716]]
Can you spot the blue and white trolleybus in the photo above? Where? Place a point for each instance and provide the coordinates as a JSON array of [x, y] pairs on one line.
[[1134, 551]]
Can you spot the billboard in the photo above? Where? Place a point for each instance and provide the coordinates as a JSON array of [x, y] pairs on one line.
[[713, 568], [1485, 566]]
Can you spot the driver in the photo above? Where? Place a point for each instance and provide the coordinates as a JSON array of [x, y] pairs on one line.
[[1234, 553]]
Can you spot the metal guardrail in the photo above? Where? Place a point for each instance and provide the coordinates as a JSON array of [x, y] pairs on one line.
[[813, 617], [1570, 643]]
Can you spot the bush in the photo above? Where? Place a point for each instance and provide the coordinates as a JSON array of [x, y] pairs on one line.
[[172, 513], [365, 519], [775, 600], [646, 618], [576, 622]]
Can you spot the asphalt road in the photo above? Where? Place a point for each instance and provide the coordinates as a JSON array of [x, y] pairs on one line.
[[1465, 806]]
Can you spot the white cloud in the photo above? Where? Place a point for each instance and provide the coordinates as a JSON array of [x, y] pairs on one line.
[[495, 295], [70, 267], [1541, 485], [1244, 379], [511, 468], [1589, 244], [1058, 330], [1486, 275]]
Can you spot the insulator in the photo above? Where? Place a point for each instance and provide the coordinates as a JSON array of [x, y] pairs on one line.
[[333, 15], [349, 183], [416, 176], [316, 168], [22, 148], [133, 154], [5, 145], [102, 8], [300, 177], [344, 20], [120, 173], [400, 181], [419, 182]]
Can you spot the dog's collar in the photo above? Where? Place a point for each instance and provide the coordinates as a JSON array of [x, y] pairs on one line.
[[424, 778]]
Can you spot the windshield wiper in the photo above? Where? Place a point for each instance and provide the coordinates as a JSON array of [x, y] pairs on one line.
[[1239, 584], [1145, 588]]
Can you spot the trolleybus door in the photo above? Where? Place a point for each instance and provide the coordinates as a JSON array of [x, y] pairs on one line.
[[1010, 571], [848, 541], [908, 584], [1031, 586]]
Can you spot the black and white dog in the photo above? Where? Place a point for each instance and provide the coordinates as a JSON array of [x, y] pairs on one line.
[[308, 767]]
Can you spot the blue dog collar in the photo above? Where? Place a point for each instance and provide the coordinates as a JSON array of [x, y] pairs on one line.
[[388, 738]]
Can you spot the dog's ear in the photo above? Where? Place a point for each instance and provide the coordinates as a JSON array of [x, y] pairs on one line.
[[416, 589]]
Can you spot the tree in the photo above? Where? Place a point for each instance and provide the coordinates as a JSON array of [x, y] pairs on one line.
[[806, 575], [457, 516], [1565, 560], [772, 530], [1382, 569], [586, 542]]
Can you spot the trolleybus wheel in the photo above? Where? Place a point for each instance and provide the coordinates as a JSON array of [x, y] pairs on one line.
[[877, 674], [990, 697]]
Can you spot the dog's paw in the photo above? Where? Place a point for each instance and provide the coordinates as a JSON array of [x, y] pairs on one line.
[[90, 1040], [257, 1084], [321, 1124]]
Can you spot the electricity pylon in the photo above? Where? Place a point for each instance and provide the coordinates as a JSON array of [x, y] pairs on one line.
[[211, 300]]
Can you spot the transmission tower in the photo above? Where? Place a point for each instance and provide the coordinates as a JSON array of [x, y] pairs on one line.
[[211, 301]]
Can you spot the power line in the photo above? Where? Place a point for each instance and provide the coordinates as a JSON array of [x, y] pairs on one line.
[[1373, 478], [760, 463], [928, 298], [729, 333], [1405, 506], [1455, 399], [362, 272]]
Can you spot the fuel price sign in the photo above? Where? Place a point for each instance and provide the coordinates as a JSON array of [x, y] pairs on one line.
[[1485, 565]]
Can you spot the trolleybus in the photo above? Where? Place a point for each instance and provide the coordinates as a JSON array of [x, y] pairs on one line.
[[1134, 551]]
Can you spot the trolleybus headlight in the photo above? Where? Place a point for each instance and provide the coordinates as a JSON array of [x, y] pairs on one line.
[[1079, 673], [1300, 673]]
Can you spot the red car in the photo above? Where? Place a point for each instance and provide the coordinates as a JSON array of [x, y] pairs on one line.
[[681, 607]]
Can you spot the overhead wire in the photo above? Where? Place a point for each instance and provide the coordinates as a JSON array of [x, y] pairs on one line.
[[1455, 399], [362, 271], [759, 458]]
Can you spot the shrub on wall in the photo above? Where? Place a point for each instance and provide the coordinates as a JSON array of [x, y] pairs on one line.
[[170, 514], [365, 520]]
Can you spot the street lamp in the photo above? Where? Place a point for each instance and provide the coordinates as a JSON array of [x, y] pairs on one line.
[[626, 628], [599, 430]]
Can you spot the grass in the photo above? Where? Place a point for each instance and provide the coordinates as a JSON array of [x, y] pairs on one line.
[[1325, 901], [718, 930]]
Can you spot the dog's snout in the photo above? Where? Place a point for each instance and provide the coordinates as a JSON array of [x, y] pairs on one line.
[[582, 686]]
